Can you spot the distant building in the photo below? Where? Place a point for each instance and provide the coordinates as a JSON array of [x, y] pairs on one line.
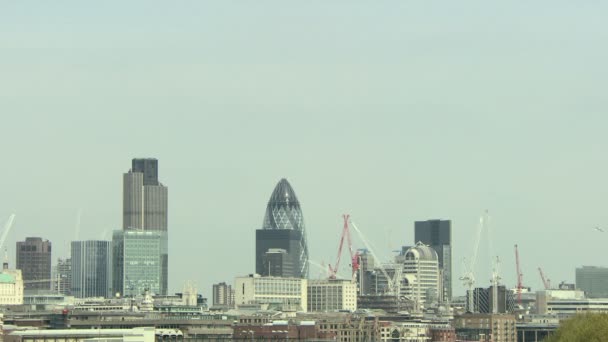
[[11, 286], [485, 327], [483, 300], [421, 274], [279, 293], [283, 228], [277, 263], [146, 334], [365, 274], [145, 206], [62, 277], [34, 261], [546, 297], [328, 295], [593, 280], [223, 295], [91, 268], [438, 235], [137, 262]]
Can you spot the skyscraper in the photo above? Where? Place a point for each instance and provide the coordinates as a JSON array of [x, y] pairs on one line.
[[438, 235], [421, 261], [34, 261], [91, 269], [145, 206], [283, 228], [136, 262], [593, 280]]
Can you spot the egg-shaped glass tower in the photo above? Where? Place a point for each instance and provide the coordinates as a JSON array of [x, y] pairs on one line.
[[281, 247]]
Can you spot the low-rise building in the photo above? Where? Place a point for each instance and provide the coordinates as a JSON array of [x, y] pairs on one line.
[[486, 327], [284, 294], [80, 335], [328, 295]]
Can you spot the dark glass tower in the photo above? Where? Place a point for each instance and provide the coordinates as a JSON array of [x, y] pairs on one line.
[[283, 228], [438, 235]]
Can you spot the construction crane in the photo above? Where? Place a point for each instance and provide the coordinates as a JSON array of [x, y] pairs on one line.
[[390, 281], [495, 281], [468, 278], [354, 258], [546, 282], [520, 277], [7, 228]]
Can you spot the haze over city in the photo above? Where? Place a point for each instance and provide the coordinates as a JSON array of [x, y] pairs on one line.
[[391, 113]]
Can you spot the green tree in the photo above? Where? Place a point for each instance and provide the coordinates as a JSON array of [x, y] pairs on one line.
[[590, 327]]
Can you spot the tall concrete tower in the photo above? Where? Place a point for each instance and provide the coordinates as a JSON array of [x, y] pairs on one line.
[[34, 261], [145, 206], [283, 229]]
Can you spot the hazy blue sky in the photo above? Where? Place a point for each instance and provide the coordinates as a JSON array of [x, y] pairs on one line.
[[391, 111]]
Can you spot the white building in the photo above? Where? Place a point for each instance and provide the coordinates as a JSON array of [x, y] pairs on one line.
[[11, 287], [570, 307], [554, 296], [285, 294], [421, 274], [328, 295]]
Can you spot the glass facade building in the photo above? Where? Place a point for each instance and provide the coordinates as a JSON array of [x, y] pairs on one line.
[[91, 269], [283, 228], [136, 262], [593, 280]]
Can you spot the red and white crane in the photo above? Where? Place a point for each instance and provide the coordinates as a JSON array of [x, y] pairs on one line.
[[354, 258]]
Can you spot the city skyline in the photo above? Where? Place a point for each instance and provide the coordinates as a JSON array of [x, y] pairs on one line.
[[356, 111]]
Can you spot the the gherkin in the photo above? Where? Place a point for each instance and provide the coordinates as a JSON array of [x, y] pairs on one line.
[[281, 247]]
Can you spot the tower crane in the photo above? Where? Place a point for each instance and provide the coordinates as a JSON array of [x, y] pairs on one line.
[[468, 278], [546, 282], [7, 228], [520, 276], [495, 281], [390, 280], [354, 258]]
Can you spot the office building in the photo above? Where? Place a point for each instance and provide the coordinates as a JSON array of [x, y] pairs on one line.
[[483, 300], [593, 280], [365, 273], [91, 268], [62, 277], [438, 235], [136, 262], [272, 293], [145, 206], [34, 261], [330, 295], [283, 228], [223, 295], [421, 274], [277, 263]]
